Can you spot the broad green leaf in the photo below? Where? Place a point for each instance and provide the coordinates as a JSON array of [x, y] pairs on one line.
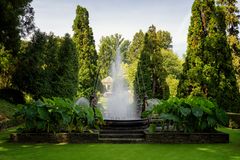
[[185, 111], [197, 112]]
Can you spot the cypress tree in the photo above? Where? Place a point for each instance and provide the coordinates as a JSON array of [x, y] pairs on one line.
[[87, 55], [151, 76], [208, 70], [67, 72]]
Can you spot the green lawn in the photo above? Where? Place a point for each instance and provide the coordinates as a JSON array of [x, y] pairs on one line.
[[10, 151]]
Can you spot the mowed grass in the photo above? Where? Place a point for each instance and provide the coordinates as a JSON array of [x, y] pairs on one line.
[[11, 151]]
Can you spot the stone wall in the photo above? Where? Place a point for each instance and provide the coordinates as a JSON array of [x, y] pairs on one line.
[[177, 137], [54, 138], [157, 137]]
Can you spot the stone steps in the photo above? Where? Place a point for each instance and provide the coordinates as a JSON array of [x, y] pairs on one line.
[[131, 131], [123, 131], [122, 135], [121, 140]]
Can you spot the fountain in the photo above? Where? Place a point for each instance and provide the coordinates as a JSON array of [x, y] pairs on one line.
[[120, 105]]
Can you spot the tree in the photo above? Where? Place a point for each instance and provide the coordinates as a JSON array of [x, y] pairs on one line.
[[173, 67], [208, 70], [231, 12], [67, 71], [107, 52], [6, 68], [151, 76], [232, 22], [132, 57], [28, 76], [37, 65], [87, 55], [16, 21], [164, 39], [172, 63]]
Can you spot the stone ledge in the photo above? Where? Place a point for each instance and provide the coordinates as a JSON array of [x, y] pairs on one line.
[[187, 138], [157, 137], [54, 138]]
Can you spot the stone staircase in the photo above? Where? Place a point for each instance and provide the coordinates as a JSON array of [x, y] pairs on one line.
[[124, 131]]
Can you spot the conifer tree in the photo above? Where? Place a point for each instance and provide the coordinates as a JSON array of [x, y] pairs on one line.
[[87, 55], [133, 56], [232, 22], [208, 70], [151, 76], [67, 73]]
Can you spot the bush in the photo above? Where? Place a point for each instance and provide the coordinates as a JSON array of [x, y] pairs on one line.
[[192, 114], [58, 115], [12, 95]]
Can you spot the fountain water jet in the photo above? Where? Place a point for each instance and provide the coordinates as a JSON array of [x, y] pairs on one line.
[[119, 104]]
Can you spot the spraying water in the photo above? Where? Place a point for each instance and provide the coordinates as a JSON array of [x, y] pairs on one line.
[[120, 105]]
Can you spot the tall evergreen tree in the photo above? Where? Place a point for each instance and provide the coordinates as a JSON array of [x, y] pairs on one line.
[[67, 72], [232, 22], [135, 48], [208, 70], [29, 76], [133, 56], [87, 55], [151, 76]]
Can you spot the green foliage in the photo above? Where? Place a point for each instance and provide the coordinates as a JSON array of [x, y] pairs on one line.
[[107, 52], [6, 67], [208, 70], [47, 67], [173, 66], [67, 71], [164, 39], [172, 63], [87, 55], [150, 78], [132, 58], [231, 12], [192, 114], [57, 115], [16, 20]]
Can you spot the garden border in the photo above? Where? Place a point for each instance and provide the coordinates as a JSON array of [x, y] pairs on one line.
[[157, 137]]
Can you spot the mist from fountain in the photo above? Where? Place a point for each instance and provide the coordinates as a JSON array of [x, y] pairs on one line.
[[120, 105]]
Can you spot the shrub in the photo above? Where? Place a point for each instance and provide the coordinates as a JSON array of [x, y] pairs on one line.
[[12, 95], [58, 115], [192, 114]]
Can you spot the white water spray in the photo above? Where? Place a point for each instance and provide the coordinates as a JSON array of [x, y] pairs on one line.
[[119, 104]]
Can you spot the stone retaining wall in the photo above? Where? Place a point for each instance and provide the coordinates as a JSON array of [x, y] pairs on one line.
[[176, 137], [54, 138], [157, 137]]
